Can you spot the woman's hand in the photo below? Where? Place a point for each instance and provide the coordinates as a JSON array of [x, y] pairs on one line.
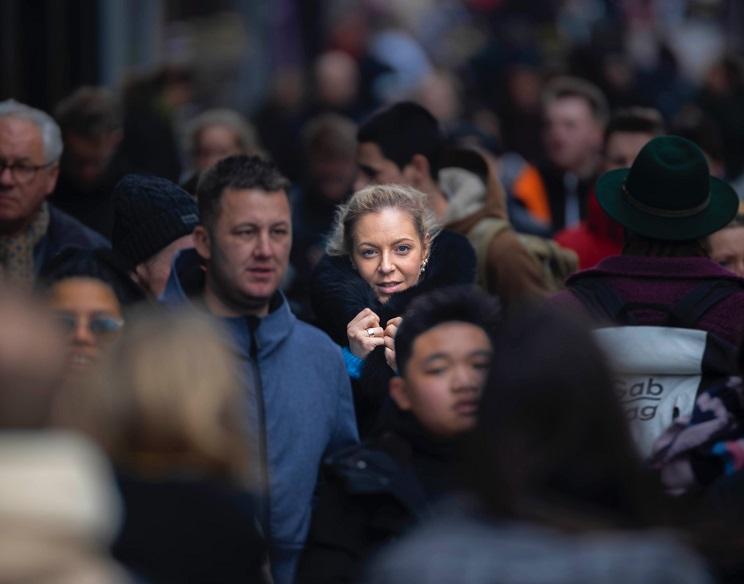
[[364, 333], [389, 337]]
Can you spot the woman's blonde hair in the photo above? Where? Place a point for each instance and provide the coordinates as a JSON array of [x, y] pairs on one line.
[[167, 398], [374, 199]]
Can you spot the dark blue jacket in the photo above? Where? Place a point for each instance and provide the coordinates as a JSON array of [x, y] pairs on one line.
[[64, 231], [302, 398]]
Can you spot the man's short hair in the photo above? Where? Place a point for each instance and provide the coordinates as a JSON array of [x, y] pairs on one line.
[[467, 304], [566, 86], [635, 120], [235, 172], [402, 131], [51, 137], [89, 112]]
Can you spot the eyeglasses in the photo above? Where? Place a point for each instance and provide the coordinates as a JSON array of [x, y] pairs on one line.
[[100, 325], [23, 173]]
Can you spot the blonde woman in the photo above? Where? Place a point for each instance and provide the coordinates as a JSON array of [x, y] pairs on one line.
[[385, 249], [166, 405]]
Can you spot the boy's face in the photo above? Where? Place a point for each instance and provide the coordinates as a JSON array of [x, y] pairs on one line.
[[444, 377]]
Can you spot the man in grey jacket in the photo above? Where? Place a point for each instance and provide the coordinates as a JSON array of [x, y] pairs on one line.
[[302, 401]]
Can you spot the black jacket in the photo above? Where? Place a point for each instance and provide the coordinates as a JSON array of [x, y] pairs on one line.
[[372, 493], [339, 293], [188, 530]]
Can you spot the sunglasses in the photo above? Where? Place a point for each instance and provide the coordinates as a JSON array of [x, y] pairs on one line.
[[99, 325]]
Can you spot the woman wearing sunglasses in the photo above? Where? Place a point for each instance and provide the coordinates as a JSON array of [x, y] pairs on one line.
[[87, 296]]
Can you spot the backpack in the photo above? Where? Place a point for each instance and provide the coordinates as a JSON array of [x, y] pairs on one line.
[[556, 262], [659, 370]]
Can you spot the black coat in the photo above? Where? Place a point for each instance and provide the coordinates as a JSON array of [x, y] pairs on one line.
[[339, 293], [372, 493], [188, 530]]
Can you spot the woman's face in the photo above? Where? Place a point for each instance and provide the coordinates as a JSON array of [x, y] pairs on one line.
[[388, 251], [727, 248], [89, 314]]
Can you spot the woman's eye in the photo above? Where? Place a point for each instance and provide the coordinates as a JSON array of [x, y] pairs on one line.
[[368, 253], [403, 249]]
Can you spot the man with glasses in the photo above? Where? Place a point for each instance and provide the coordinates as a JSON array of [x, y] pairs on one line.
[[31, 230]]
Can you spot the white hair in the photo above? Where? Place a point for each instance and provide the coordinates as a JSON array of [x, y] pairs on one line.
[[51, 137]]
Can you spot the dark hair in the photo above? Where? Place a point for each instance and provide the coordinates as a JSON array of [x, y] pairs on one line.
[[636, 120], [89, 111], [640, 245], [402, 131], [562, 87], [99, 264], [453, 304], [552, 444], [235, 172]]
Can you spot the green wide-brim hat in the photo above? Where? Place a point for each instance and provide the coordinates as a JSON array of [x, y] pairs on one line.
[[668, 193]]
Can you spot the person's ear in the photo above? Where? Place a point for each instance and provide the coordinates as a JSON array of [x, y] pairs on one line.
[[397, 389], [202, 243], [416, 172]]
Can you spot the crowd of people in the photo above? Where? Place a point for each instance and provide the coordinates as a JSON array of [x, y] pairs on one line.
[[442, 352]]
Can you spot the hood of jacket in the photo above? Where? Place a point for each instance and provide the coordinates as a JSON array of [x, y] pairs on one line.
[[186, 285], [470, 198]]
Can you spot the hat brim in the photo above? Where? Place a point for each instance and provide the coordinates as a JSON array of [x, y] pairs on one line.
[[724, 204]]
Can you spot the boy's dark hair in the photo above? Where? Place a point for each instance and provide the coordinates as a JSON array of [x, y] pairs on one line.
[[402, 131], [636, 120], [89, 112], [566, 86], [98, 264], [453, 304], [235, 172]]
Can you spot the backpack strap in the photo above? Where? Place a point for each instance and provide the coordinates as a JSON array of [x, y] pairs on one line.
[[602, 302], [691, 308]]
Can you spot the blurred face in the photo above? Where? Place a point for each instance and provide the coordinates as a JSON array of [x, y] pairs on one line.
[[375, 169], [89, 314], [153, 274], [572, 136], [444, 377], [622, 148], [388, 251], [332, 175], [86, 158], [727, 248], [20, 199], [214, 143], [248, 251]]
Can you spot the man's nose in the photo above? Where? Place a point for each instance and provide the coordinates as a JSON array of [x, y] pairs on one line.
[[263, 245]]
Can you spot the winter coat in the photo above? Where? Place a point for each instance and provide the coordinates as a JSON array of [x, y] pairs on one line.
[[184, 529], [511, 273], [303, 408], [664, 280], [371, 494], [59, 510], [64, 231], [339, 293], [463, 547]]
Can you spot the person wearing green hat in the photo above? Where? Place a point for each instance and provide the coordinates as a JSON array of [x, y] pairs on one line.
[[668, 204]]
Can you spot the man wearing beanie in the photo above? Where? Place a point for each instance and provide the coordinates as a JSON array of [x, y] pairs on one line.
[[154, 219]]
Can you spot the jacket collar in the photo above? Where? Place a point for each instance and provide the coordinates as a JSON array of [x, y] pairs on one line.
[[186, 284]]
